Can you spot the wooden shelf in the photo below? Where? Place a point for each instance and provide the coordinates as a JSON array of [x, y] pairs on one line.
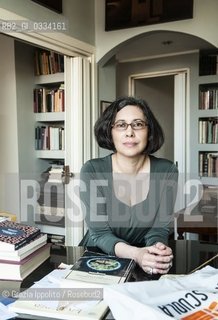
[[50, 154], [203, 113], [50, 78], [49, 116], [209, 180], [51, 229]]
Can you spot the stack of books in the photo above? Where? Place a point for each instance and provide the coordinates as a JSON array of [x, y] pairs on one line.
[[23, 249], [51, 198]]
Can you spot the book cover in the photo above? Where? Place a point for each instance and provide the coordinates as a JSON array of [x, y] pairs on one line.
[[35, 310], [68, 308], [19, 270], [75, 309], [101, 269], [14, 235]]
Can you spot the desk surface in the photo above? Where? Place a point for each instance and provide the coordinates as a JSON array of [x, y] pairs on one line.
[[188, 255]]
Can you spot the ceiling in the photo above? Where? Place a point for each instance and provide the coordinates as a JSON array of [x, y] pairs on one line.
[[159, 43]]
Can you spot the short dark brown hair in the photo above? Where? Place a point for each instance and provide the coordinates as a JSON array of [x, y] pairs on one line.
[[103, 125]]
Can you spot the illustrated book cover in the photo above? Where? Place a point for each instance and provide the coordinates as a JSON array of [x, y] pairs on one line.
[[101, 269], [14, 235]]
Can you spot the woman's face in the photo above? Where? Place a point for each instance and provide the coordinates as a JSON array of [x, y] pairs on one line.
[[130, 141]]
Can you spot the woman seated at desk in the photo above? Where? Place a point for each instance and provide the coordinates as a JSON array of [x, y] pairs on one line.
[[128, 196]]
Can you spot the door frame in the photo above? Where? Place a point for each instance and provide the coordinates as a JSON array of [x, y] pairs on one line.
[[66, 45], [181, 121], [78, 51]]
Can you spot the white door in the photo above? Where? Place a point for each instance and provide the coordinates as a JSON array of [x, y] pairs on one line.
[[78, 140]]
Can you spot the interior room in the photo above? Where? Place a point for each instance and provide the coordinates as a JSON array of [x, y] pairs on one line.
[[109, 159], [157, 61]]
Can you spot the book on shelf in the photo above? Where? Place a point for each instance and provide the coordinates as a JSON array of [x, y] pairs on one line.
[[49, 137], [55, 174], [14, 235], [48, 99], [208, 97], [208, 164], [56, 239], [48, 62], [208, 130], [26, 250], [19, 270]]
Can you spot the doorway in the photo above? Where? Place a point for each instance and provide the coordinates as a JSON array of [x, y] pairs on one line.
[[158, 92], [167, 95]]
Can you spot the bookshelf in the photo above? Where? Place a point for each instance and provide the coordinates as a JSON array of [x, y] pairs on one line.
[[21, 164], [208, 117], [49, 115]]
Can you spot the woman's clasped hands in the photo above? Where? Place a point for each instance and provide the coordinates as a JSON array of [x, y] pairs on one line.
[[155, 259]]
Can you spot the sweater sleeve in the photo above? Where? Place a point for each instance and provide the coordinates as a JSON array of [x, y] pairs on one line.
[[167, 186], [93, 197]]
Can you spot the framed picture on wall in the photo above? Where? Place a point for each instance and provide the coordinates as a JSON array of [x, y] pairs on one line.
[[103, 105], [120, 14], [55, 5]]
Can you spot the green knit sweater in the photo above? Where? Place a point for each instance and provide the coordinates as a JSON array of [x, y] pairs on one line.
[[110, 220]]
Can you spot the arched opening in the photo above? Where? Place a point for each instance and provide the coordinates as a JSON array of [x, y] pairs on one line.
[[146, 58]]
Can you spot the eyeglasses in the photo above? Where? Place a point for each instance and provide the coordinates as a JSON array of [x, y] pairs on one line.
[[135, 125]]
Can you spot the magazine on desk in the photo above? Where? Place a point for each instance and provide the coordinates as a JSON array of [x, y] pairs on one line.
[[60, 279]]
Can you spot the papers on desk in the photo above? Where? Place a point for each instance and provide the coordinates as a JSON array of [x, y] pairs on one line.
[[47, 299], [4, 311], [185, 297]]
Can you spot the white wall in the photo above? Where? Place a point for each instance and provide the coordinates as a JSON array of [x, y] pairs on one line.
[[77, 14], [204, 25], [24, 68], [8, 128]]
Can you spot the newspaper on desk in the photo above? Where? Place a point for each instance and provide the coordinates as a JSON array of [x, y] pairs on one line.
[[185, 297]]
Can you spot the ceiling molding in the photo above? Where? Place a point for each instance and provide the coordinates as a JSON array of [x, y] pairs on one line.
[[165, 55]]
